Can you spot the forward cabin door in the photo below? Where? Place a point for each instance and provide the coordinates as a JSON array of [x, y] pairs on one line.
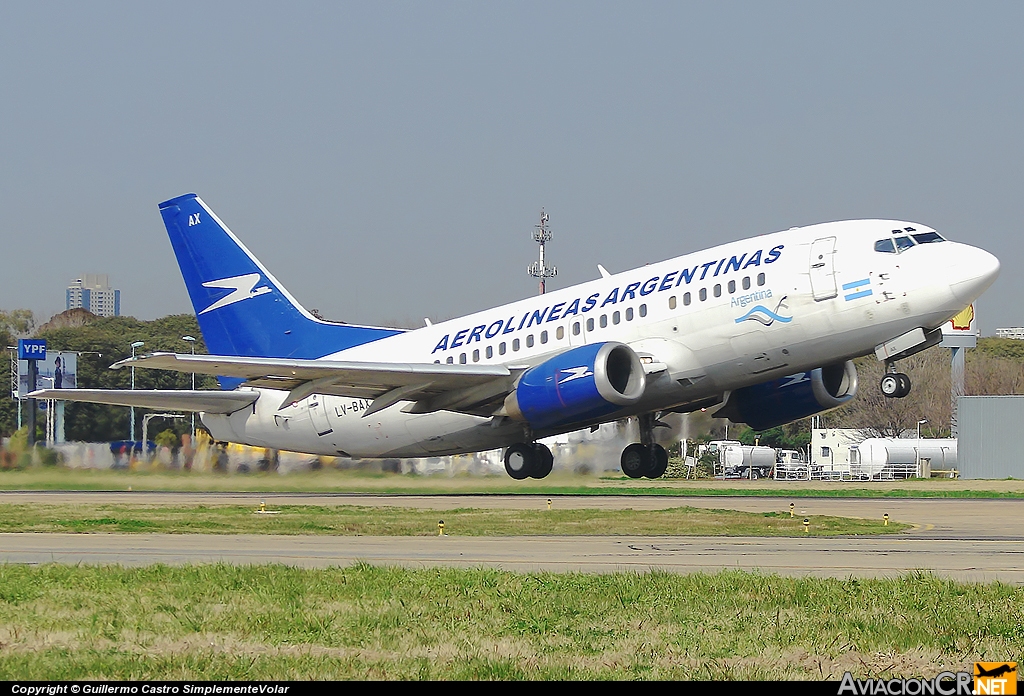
[[823, 270]]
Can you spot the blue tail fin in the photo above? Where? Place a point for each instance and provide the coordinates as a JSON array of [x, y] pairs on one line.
[[242, 309]]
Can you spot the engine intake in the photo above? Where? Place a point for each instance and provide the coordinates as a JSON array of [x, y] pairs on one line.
[[578, 385], [766, 405]]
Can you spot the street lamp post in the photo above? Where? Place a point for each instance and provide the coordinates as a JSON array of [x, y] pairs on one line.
[[917, 450], [192, 342], [131, 430]]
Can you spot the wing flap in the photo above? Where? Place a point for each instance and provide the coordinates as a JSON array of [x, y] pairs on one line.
[[172, 399], [420, 382]]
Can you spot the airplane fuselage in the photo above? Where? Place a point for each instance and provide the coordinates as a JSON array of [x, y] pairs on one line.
[[703, 324]]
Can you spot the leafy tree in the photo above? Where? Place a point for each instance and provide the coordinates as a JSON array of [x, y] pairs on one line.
[[102, 341]]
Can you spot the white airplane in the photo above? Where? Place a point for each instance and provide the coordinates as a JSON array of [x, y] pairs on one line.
[[766, 326]]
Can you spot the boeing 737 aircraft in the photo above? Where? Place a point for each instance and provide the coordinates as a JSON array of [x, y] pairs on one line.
[[765, 327]]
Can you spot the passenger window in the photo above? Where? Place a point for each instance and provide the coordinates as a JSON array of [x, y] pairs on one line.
[[760, 279], [501, 348], [490, 352], [437, 362], [616, 317], [515, 344], [543, 336], [732, 286], [575, 328], [718, 290], [529, 341], [450, 360], [643, 310], [560, 333], [746, 282], [703, 294], [604, 321], [629, 313], [885, 246], [476, 355], [672, 302], [590, 324], [686, 299], [462, 358]]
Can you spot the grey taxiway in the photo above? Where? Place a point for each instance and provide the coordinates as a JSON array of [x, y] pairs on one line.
[[965, 539]]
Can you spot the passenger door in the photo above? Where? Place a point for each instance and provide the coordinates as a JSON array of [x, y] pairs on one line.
[[822, 269]]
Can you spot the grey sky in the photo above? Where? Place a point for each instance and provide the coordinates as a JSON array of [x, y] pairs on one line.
[[387, 161]]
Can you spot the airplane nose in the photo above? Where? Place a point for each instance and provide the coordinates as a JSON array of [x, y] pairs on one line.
[[972, 273]]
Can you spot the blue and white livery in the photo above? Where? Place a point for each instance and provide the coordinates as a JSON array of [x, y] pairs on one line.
[[766, 328]]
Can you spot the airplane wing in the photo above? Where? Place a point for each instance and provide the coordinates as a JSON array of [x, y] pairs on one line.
[[174, 399], [432, 387]]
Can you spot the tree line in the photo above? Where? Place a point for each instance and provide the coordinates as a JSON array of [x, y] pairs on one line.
[[102, 341]]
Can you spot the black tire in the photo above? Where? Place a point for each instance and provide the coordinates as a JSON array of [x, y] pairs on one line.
[[520, 460], [545, 460], [890, 385], [904, 385], [635, 461], [659, 462]]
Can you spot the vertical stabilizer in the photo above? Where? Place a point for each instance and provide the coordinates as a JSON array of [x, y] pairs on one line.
[[242, 309]]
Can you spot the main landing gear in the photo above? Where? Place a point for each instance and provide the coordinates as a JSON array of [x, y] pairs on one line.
[[526, 459], [645, 458], [894, 385]]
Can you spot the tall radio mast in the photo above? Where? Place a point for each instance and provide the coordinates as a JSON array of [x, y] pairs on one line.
[[539, 269]]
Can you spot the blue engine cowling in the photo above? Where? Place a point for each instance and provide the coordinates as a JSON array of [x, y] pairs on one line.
[[578, 385], [763, 406]]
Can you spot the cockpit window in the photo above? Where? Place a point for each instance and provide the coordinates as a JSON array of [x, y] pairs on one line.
[[901, 241], [928, 237], [904, 243]]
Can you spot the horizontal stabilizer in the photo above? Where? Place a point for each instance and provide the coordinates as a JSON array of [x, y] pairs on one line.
[[169, 399]]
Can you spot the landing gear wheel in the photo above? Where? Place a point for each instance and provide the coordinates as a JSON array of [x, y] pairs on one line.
[[904, 384], [545, 460], [636, 461], [890, 385], [520, 460], [895, 385], [659, 462]]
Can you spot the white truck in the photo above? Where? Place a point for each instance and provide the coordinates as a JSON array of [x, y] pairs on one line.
[[736, 460]]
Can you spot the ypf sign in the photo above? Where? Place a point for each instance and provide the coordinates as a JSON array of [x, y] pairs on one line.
[[31, 349]]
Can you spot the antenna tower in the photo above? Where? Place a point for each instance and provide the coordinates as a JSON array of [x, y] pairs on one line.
[[541, 235]]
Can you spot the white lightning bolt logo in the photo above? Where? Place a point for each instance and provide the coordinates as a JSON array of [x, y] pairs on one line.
[[575, 373], [243, 287]]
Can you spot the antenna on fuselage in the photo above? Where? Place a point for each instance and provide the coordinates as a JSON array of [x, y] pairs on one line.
[[541, 235]]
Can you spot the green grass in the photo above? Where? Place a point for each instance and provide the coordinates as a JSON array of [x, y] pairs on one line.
[[222, 622], [388, 521], [349, 481]]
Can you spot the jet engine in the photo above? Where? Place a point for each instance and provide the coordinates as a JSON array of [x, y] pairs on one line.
[[766, 405], [578, 385]]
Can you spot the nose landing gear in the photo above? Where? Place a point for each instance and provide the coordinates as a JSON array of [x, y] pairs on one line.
[[894, 385]]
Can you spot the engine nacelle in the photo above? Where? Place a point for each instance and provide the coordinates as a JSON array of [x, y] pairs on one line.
[[763, 406], [578, 385]]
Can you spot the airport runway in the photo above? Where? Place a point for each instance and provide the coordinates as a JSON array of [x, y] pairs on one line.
[[966, 539]]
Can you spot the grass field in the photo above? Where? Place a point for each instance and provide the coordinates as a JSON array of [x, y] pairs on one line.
[[388, 521], [330, 480], [275, 622]]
